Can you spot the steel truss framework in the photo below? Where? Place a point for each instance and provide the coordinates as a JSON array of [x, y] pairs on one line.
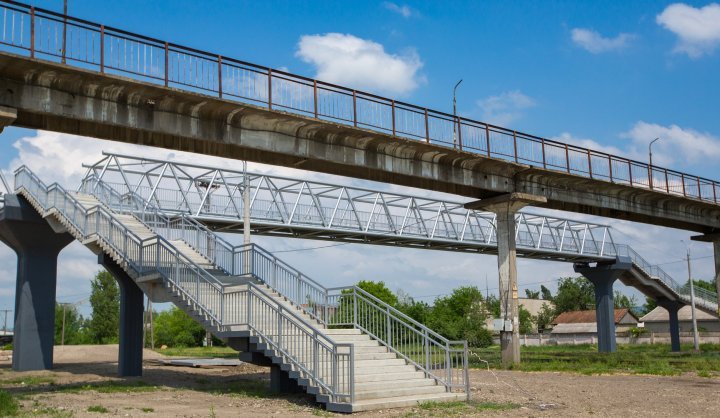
[[306, 209]]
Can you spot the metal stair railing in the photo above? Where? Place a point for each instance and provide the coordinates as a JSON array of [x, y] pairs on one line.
[[703, 297], [444, 360], [439, 358], [293, 337]]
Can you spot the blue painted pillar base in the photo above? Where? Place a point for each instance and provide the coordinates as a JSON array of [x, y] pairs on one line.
[[672, 307], [602, 277], [37, 246], [130, 353]]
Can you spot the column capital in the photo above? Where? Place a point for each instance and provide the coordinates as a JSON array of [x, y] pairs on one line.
[[7, 116], [510, 201]]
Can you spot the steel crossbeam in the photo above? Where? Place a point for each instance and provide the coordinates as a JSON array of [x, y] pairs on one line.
[[308, 209]]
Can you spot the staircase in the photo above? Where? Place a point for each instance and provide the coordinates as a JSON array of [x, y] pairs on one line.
[[348, 349]]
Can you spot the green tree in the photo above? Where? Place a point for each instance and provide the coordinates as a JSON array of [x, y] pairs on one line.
[[461, 316], [545, 292], [544, 317], [650, 304], [622, 301], [379, 290], [175, 328], [74, 324], [574, 294], [526, 320], [417, 310], [532, 294], [105, 302]]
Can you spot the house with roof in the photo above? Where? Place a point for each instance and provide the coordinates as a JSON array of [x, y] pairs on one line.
[[584, 323], [658, 320]]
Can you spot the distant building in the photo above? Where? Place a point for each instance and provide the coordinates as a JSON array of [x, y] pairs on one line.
[[658, 320], [584, 322]]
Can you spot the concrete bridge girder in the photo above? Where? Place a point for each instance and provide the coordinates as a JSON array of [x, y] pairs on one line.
[[60, 98]]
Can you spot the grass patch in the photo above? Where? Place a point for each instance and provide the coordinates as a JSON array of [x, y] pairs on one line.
[[148, 410], [464, 408], [649, 359], [98, 408], [28, 380], [8, 405], [49, 411], [214, 352], [112, 387], [243, 388]]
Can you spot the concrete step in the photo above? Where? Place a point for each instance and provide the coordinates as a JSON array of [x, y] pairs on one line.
[[406, 383], [402, 401], [390, 375], [386, 391]]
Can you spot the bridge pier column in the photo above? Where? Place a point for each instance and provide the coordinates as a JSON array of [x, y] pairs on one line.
[[505, 207], [602, 277], [130, 352], [672, 307], [37, 247]]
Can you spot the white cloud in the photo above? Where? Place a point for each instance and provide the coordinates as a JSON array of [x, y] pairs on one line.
[[594, 42], [568, 138], [404, 10], [504, 108], [698, 29], [360, 63], [676, 143]]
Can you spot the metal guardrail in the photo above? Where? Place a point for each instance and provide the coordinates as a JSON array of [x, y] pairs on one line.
[[290, 205], [435, 355], [703, 297], [332, 364], [43, 34]]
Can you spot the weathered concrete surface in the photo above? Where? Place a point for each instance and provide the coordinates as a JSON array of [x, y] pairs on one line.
[[60, 98], [505, 207], [7, 116]]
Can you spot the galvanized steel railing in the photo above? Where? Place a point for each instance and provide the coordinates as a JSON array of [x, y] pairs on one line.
[[329, 365], [703, 297], [439, 358], [44, 34], [280, 205]]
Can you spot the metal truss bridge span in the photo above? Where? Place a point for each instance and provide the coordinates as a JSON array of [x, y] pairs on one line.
[[282, 206]]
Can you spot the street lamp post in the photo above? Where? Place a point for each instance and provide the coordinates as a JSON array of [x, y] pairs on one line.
[[650, 172], [455, 119]]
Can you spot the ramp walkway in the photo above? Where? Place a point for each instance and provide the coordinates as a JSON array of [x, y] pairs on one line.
[[348, 349]]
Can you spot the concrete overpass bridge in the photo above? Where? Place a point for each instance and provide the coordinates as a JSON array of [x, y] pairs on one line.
[[69, 75]]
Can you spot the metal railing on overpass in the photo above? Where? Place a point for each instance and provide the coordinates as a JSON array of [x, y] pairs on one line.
[[43, 34], [287, 206]]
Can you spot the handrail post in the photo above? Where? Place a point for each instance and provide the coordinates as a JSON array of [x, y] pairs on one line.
[[220, 90], [354, 96], [542, 148], [315, 98], [269, 74], [466, 366], [32, 31], [487, 139], [355, 313], [427, 127], [167, 64], [102, 49], [352, 373], [392, 104], [459, 130], [388, 335], [515, 148]]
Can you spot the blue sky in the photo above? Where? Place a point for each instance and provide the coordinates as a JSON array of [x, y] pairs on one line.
[[607, 75]]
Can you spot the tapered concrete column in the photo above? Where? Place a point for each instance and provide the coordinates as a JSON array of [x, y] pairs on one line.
[[602, 277], [672, 307], [505, 207], [130, 353], [37, 246]]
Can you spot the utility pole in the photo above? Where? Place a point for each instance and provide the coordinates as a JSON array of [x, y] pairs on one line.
[[692, 304], [455, 118], [5, 311]]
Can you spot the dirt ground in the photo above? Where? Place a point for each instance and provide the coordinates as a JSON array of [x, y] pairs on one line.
[[240, 391]]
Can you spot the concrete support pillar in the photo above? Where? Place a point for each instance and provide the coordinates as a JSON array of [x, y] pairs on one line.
[[37, 246], [672, 307], [505, 207], [602, 277], [130, 353], [280, 381]]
